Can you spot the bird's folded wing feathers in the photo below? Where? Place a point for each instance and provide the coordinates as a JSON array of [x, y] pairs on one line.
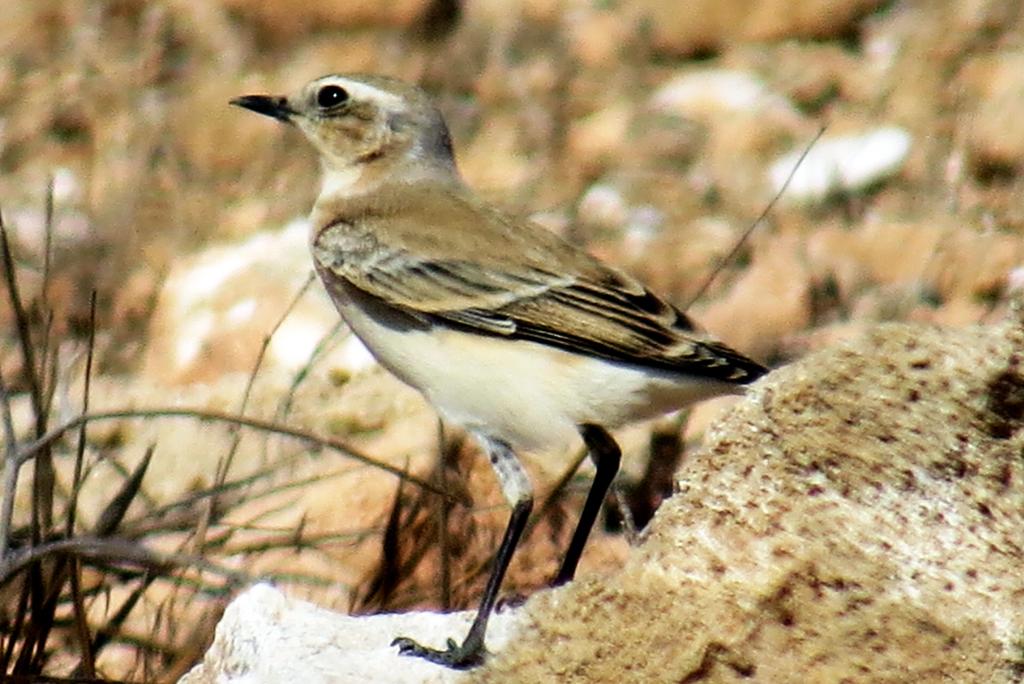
[[598, 311]]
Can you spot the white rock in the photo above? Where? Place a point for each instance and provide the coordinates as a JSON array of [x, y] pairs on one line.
[[603, 205], [644, 224], [66, 186], [268, 638], [846, 163], [217, 307], [1015, 280], [707, 93], [70, 226], [28, 225]]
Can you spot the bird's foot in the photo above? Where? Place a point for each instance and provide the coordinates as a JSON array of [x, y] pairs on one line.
[[456, 656]]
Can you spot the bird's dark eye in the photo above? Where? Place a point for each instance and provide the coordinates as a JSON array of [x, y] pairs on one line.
[[331, 96]]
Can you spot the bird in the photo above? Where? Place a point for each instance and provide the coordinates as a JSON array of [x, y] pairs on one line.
[[510, 331]]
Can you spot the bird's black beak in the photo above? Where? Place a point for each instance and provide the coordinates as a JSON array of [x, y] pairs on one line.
[[276, 107]]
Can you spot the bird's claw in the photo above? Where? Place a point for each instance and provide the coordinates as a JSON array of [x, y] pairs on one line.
[[456, 656]]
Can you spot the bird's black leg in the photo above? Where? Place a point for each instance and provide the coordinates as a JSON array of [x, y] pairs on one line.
[[605, 453], [515, 485]]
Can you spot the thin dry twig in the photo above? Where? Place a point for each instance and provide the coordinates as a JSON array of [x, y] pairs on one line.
[[88, 659], [446, 451], [46, 362], [181, 514], [29, 450], [116, 622], [114, 551], [33, 641], [195, 645], [42, 485], [753, 226], [386, 576], [24, 331], [76, 479], [87, 666], [224, 466], [48, 237], [10, 472], [319, 350], [269, 336], [628, 524]]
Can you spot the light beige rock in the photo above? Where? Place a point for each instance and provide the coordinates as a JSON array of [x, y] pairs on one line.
[[856, 518], [217, 307], [596, 140], [598, 37], [269, 638], [711, 24], [286, 18], [768, 301], [994, 87], [494, 162], [957, 260]]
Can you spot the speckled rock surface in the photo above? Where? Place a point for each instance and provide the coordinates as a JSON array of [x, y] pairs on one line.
[[857, 518]]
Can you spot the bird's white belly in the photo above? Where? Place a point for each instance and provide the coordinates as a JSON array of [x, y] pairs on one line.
[[527, 394]]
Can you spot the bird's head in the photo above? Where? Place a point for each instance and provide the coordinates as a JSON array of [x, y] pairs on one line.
[[356, 121]]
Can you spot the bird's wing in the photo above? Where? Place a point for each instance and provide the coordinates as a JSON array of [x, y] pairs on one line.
[[586, 308]]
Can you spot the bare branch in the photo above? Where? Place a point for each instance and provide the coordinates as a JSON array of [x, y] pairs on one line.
[[115, 551], [29, 450]]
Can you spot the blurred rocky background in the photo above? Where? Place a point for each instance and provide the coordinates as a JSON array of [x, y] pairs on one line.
[[652, 132]]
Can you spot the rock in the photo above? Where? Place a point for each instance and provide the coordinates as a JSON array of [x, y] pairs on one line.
[[707, 94], [994, 86], [217, 307], [599, 37], [595, 141], [284, 19], [857, 517], [494, 162], [769, 301], [70, 229], [813, 74], [1015, 281], [711, 25], [269, 638], [942, 254], [841, 164], [603, 207]]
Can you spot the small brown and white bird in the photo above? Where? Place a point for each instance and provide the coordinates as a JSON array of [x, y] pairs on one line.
[[508, 330]]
